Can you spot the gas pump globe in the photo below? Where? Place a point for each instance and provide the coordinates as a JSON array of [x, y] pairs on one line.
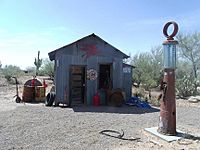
[[167, 119], [169, 55]]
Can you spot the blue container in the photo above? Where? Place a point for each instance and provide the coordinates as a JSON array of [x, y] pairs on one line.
[[102, 95]]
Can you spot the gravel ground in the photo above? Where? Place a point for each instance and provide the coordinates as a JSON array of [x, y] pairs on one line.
[[34, 126]]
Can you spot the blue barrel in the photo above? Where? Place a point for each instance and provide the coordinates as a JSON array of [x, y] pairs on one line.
[[102, 95]]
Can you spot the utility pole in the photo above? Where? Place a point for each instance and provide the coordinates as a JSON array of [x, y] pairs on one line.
[[167, 120]]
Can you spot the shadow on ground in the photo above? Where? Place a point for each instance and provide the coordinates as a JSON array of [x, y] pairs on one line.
[[189, 136], [109, 109]]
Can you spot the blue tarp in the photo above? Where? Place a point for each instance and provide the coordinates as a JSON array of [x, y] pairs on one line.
[[136, 101]]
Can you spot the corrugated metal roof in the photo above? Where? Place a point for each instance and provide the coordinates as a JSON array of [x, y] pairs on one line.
[[52, 54]]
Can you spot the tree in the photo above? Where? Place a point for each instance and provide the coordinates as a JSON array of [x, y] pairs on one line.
[[148, 71], [190, 50], [38, 63], [48, 68], [143, 73], [184, 79], [157, 63], [0, 64]]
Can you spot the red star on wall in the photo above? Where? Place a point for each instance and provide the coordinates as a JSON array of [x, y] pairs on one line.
[[90, 50]]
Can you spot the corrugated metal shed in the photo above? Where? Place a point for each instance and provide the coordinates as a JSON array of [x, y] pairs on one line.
[[78, 67], [127, 80]]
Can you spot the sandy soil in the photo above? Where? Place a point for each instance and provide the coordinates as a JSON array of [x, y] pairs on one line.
[[34, 126]]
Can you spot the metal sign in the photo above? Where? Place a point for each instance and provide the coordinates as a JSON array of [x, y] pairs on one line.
[[126, 70], [91, 74]]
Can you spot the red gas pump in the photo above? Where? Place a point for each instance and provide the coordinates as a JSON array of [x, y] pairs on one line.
[[167, 119]]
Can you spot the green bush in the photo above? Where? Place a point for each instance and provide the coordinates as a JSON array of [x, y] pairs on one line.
[[185, 86], [10, 71], [47, 68]]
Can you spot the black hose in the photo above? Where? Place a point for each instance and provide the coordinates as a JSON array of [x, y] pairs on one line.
[[120, 135]]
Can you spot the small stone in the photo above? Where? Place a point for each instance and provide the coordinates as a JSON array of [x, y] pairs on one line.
[[193, 100]]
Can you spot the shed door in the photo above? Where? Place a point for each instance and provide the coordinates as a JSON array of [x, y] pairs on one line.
[[105, 76], [77, 85]]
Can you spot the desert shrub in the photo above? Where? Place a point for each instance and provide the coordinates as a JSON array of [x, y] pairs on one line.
[[185, 86], [41, 72], [139, 92], [10, 71], [148, 68], [47, 68], [186, 82]]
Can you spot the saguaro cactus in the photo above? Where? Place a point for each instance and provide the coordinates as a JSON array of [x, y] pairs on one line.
[[38, 63]]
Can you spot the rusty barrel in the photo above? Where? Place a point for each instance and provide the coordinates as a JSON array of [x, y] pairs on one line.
[[33, 93], [28, 93], [40, 93], [116, 98]]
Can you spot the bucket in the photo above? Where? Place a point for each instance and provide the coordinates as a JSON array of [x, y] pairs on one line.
[[28, 93], [39, 93], [96, 100]]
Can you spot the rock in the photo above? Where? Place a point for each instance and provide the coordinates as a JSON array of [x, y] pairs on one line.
[[193, 99], [198, 98]]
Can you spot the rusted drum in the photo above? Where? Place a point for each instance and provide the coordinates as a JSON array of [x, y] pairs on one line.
[[37, 82], [28, 93], [39, 93], [116, 98]]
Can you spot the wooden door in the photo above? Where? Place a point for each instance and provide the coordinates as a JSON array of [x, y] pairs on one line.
[[77, 85]]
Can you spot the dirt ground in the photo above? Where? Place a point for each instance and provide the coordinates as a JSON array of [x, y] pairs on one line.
[[34, 126]]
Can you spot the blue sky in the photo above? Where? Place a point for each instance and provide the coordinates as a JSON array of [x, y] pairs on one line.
[[132, 26]]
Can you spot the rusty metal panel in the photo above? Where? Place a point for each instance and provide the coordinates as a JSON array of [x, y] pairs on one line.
[[91, 84], [62, 79], [167, 122], [88, 47], [117, 73]]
